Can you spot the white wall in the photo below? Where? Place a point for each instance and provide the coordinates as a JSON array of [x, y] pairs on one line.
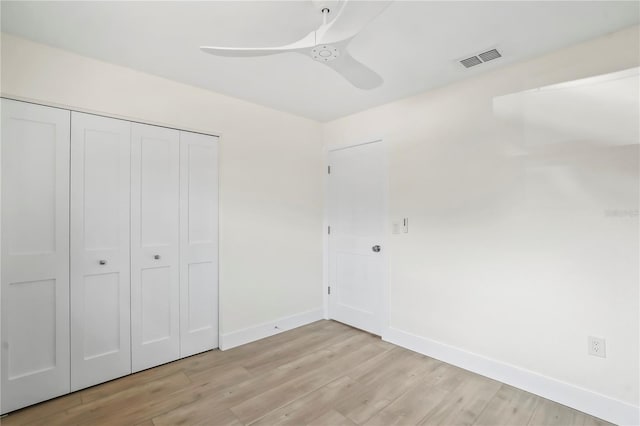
[[523, 238], [270, 171], [523, 228]]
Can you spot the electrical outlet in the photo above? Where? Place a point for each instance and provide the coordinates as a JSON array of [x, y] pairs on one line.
[[597, 347]]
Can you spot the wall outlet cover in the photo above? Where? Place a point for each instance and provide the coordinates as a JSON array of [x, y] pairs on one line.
[[597, 347]]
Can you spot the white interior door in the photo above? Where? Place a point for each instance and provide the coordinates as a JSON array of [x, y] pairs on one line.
[[357, 217], [100, 290], [155, 277], [198, 243], [35, 254]]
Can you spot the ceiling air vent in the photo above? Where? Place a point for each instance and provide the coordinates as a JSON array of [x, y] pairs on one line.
[[470, 62], [480, 58], [490, 55]]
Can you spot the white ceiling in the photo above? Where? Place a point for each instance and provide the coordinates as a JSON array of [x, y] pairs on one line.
[[414, 45]]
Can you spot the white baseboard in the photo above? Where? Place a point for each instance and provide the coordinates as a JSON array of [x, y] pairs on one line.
[[260, 331], [595, 404]]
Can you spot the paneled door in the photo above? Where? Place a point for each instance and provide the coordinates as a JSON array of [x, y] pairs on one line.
[[35, 254], [357, 216], [155, 275], [100, 284], [198, 243]]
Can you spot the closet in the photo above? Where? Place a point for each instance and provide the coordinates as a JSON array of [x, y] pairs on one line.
[[108, 247]]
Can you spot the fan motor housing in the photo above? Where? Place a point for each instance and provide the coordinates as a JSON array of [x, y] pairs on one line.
[[325, 53]]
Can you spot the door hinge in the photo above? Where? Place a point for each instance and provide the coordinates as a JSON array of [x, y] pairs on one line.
[[329, 290], [328, 170], [329, 230]]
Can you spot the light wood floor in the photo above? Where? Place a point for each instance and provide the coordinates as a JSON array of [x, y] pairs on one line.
[[323, 374]]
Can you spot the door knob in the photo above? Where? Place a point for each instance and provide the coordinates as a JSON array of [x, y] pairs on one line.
[[376, 248], [102, 262], [156, 257]]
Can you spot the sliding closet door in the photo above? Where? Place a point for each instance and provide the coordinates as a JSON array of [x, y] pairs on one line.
[[155, 278], [100, 299], [35, 253], [198, 243]]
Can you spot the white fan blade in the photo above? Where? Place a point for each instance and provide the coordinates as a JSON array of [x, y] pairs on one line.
[[243, 52], [355, 72], [306, 42], [352, 17]]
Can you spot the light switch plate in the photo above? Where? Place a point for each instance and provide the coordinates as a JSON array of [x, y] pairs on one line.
[[405, 225], [395, 228]]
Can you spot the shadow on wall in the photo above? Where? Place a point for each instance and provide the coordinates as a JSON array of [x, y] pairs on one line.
[[579, 142]]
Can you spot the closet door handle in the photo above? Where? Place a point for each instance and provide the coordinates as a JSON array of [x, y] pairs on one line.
[[156, 257], [102, 262]]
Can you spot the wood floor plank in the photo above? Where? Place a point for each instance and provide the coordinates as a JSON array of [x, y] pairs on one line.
[[509, 406], [273, 349], [119, 404], [208, 413], [146, 411], [447, 377], [203, 395], [322, 374], [207, 422], [42, 410], [289, 352], [220, 379], [332, 418], [147, 376], [549, 413], [145, 423], [594, 421], [463, 405], [263, 346], [423, 397], [284, 355], [206, 388], [139, 412], [313, 405], [400, 370], [410, 407], [247, 389], [373, 364], [256, 407], [304, 365]]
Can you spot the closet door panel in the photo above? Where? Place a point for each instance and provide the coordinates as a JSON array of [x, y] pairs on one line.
[[35, 254], [198, 243], [155, 290], [100, 285]]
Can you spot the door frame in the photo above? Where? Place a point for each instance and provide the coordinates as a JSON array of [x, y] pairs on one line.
[[384, 320]]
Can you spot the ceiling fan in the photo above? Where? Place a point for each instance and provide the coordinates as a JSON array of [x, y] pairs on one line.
[[327, 44]]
